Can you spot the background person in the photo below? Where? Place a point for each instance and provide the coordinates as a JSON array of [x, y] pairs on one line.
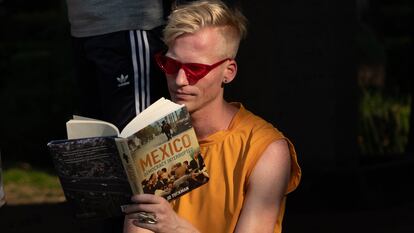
[[113, 47]]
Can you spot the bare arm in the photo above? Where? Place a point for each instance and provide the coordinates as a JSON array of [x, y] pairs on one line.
[[266, 189]]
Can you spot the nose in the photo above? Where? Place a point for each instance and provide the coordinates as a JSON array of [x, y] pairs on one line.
[[181, 79]]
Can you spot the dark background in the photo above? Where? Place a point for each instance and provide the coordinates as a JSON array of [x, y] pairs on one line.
[[298, 68]]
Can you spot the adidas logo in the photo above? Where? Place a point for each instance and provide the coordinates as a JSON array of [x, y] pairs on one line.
[[122, 80]]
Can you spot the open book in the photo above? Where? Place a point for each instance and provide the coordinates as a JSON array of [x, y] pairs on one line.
[[100, 168]]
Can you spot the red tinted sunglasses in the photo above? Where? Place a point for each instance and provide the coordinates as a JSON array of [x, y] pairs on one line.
[[193, 71]]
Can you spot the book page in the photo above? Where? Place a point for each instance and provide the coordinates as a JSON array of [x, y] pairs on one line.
[[77, 117], [90, 128], [157, 110]]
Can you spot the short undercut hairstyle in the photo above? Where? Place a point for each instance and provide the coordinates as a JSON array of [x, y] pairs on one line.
[[193, 16]]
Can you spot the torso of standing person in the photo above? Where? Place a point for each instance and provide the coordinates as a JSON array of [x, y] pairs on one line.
[[98, 17]]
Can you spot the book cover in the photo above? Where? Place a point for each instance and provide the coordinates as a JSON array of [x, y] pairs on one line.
[[100, 168], [91, 175], [166, 157]]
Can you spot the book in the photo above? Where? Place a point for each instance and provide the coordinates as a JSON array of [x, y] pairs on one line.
[[100, 167]]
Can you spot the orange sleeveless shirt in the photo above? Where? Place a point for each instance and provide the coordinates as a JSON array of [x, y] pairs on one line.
[[230, 157]]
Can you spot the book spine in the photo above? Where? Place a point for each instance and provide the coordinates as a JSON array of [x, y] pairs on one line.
[[129, 166]]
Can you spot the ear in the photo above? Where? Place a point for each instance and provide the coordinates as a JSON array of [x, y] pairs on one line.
[[230, 71]]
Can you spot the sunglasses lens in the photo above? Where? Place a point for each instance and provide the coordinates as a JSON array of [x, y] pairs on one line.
[[196, 71], [168, 65], [171, 66], [193, 71]]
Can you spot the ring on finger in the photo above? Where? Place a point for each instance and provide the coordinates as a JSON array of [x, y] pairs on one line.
[[145, 217]]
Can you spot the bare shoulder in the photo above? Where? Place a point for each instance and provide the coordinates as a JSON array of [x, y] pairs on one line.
[[279, 148], [273, 167], [276, 155]]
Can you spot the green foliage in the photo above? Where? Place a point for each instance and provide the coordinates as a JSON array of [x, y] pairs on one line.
[[32, 177], [383, 122]]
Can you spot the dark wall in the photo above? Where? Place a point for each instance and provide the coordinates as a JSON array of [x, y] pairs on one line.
[[36, 87], [297, 70]]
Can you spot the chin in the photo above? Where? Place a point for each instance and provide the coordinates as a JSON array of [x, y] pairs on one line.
[[180, 100], [187, 104]]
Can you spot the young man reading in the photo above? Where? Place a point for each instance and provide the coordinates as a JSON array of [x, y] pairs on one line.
[[252, 166]]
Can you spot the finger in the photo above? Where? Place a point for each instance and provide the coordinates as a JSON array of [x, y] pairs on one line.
[[146, 198], [148, 226], [144, 217], [134, 208]]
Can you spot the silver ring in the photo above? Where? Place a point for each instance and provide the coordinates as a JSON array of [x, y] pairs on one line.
[[145, 217]]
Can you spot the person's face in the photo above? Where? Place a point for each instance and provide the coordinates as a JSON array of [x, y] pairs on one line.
[[207, 46]]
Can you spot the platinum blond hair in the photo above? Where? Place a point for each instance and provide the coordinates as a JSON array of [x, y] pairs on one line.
[[191, 17]]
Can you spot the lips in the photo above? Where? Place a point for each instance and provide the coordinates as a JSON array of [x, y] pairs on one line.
[[181, 95]]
